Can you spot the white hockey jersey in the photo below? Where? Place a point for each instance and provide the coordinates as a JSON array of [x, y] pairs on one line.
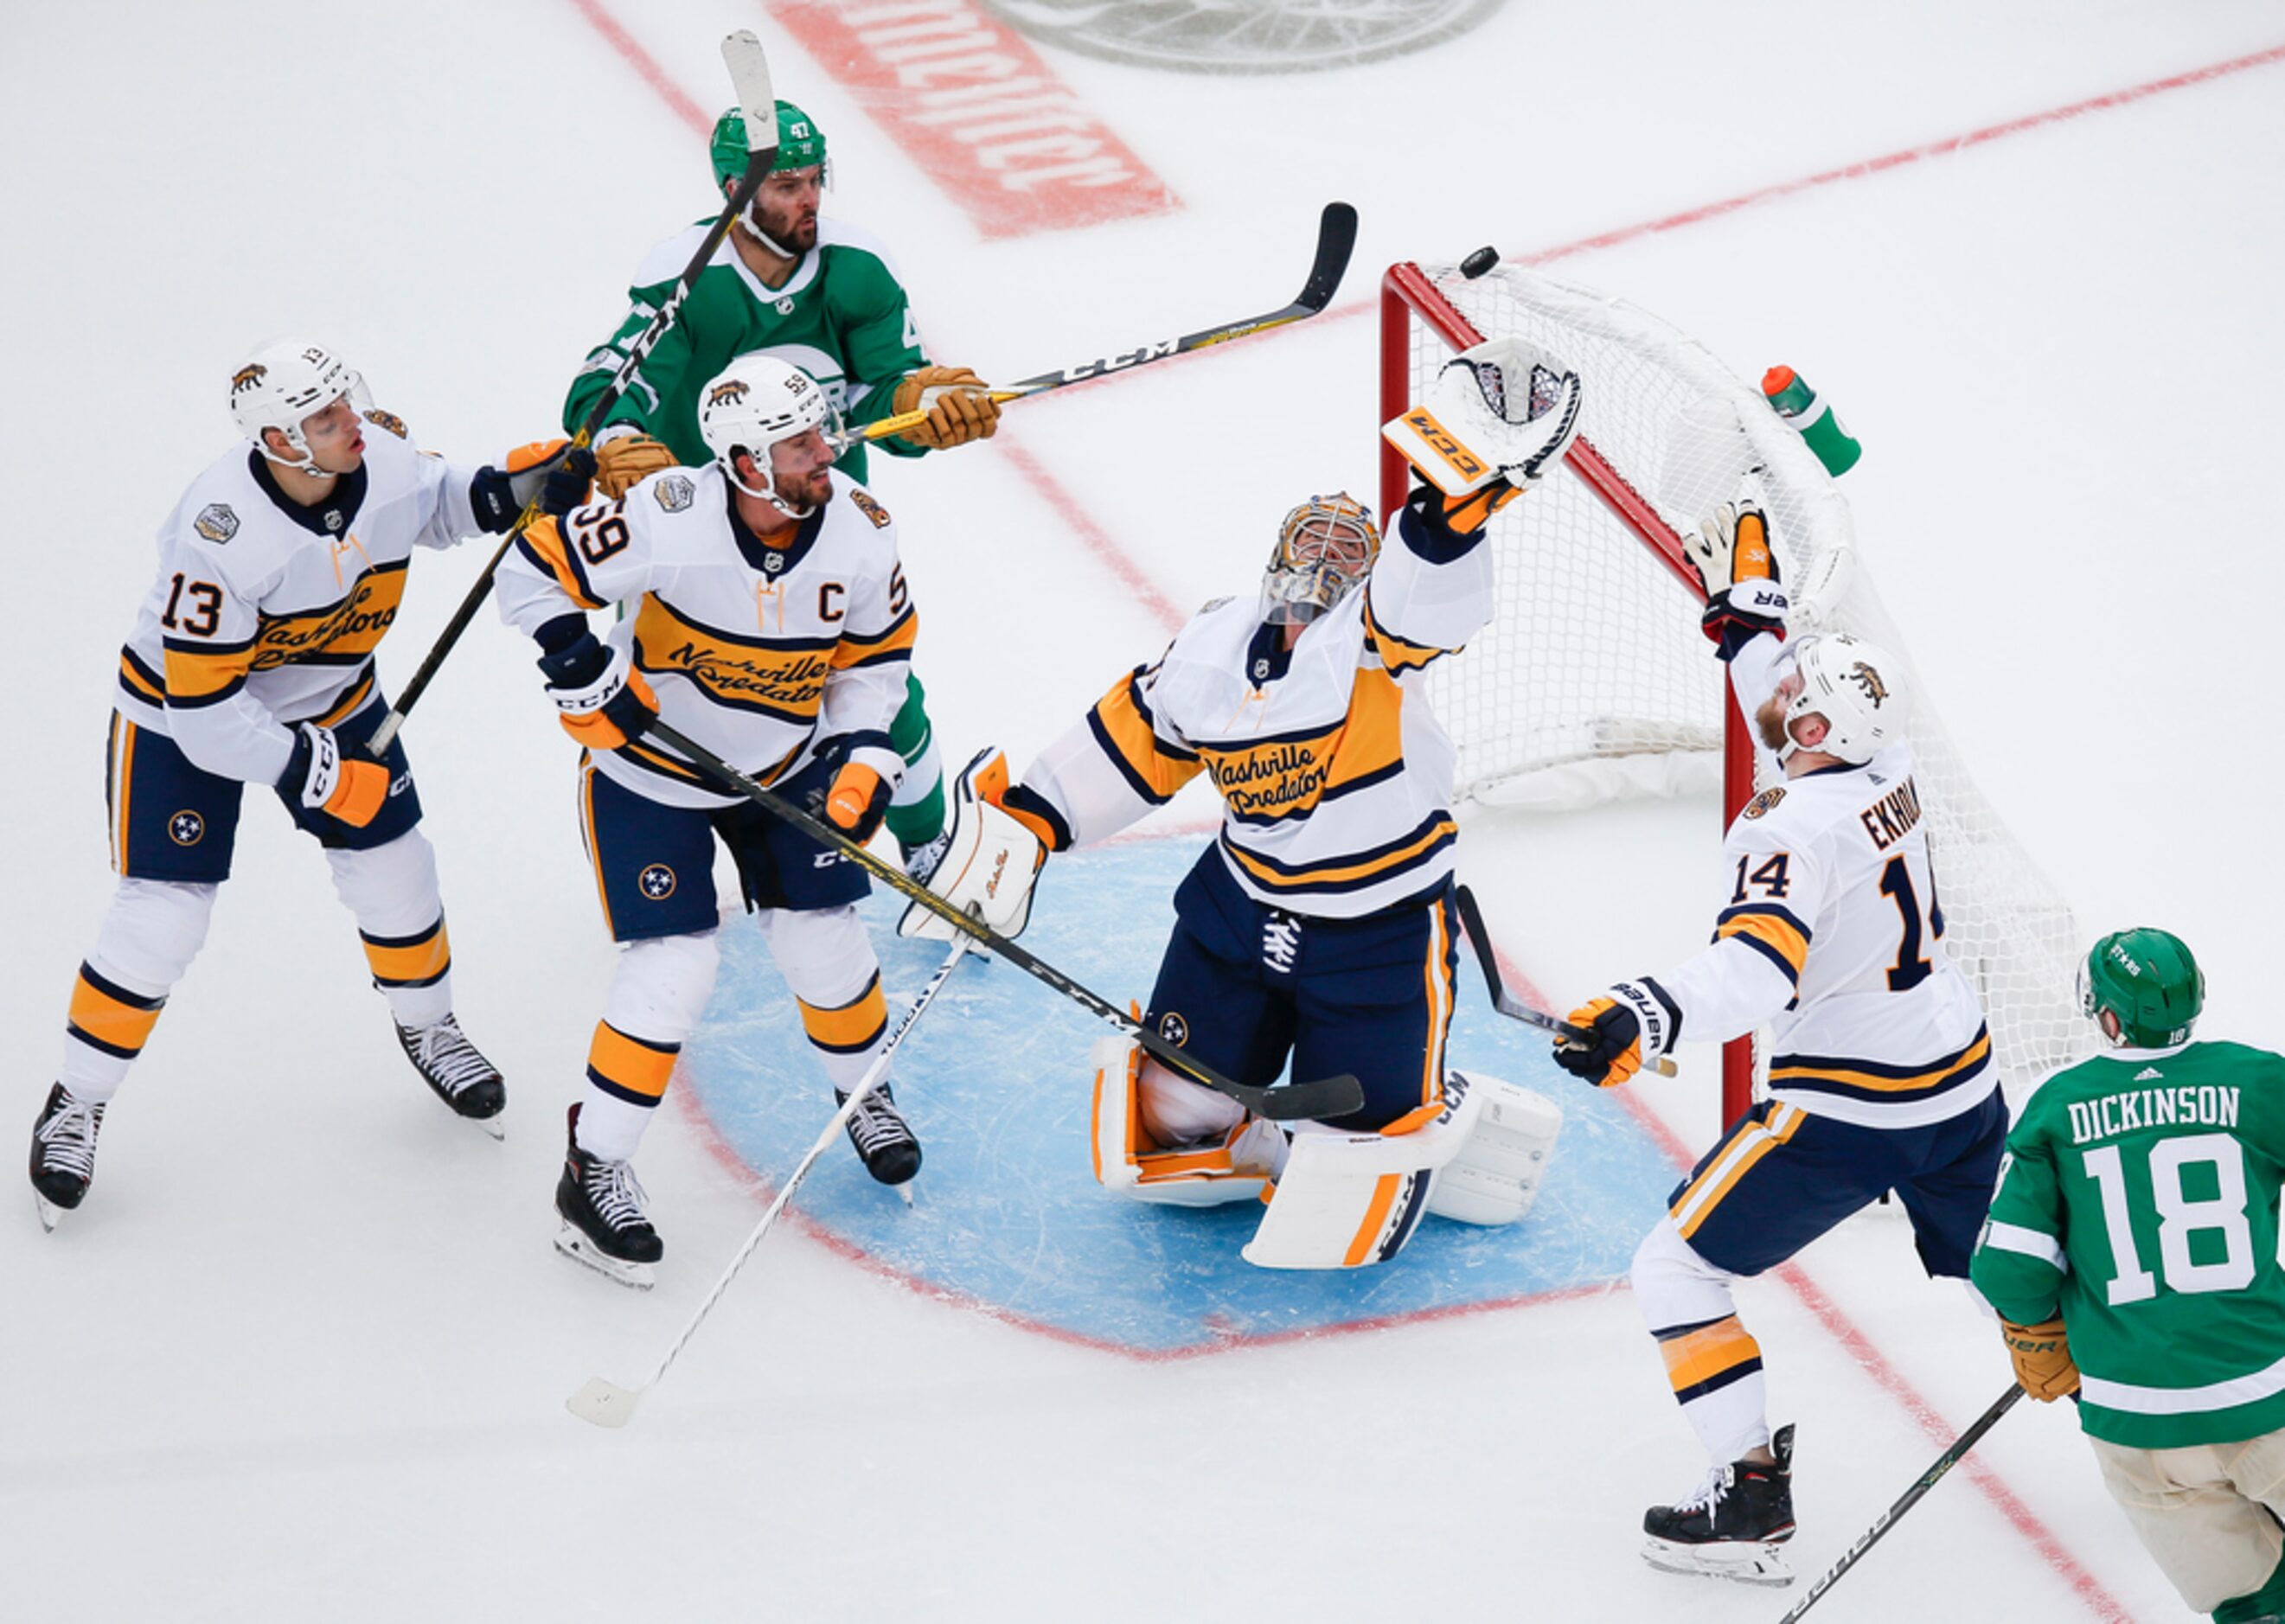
[[1833, 937], [758, 653], [266, 613], [1335, 775]]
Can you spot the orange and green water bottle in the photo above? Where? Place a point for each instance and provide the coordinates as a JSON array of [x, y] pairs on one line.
[[1813, 417]]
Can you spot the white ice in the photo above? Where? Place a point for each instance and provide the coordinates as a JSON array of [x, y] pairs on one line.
[[303, 1353]]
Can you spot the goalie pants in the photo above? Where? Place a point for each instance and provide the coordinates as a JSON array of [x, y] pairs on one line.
[[655, 870], [1778, 1178], [173, 833], [1243, 986]]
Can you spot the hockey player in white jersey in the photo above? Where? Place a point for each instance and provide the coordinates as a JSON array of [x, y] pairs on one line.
[[1319, 925], [1881, 1074], [768, 619], [252, 662]]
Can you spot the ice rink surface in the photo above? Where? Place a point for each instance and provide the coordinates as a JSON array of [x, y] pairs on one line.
[[303, 1353]]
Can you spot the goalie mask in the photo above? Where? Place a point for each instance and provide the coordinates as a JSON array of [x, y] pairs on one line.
[[284, 383], [757, 402], [2148, 982], [1325, 546], [1857, 687]]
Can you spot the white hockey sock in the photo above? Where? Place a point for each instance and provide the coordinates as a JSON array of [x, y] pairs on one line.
[[152, 931], [1713, 1364], [827, 960], [657, 993], [392, 892]]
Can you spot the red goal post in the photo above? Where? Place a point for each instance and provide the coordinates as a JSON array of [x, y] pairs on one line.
[[1593, 681]]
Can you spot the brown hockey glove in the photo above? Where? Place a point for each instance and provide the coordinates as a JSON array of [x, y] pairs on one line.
[[959, 404], [621, 463], [2043, 1366]]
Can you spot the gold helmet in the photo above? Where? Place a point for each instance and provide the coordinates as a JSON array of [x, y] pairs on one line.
[[1324, 547]]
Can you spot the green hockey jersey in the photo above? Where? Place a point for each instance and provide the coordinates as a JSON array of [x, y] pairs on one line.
[[842, 317], [2140, 1198]]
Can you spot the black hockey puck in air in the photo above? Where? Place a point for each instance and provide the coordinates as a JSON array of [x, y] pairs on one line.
[[1483, 260]]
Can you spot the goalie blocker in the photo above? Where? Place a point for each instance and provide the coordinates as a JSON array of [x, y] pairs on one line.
[[1335, 1199]]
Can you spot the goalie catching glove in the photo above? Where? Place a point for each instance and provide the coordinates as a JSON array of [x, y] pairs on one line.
[[1628, 1028], [959, 404], [1496, 419], [991, 858], [625, 457], [2043, 1366], [603, 700], [1738, 572], [555, 472]]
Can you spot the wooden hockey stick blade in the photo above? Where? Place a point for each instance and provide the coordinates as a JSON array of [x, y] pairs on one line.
[[1337, 229], [749, 76], [604, 1403], [1472, 921], [1327, 1096]]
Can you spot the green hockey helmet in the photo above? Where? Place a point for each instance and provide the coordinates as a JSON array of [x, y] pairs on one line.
[[2148, 980], [800, 143]]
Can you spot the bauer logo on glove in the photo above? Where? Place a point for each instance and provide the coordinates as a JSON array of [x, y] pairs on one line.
[[1503, 410]]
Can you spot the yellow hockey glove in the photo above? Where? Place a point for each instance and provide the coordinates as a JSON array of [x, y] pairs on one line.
[[623, 462], [2043, 1366], [959, 404]]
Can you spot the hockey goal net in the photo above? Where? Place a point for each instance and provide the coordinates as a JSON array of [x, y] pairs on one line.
[[1593, 681]]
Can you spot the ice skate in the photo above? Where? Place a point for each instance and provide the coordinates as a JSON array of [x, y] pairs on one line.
[[463, 1078], [605, 1225], [1731, 1527], [922, 861], [884, 1142], [63, 1154]]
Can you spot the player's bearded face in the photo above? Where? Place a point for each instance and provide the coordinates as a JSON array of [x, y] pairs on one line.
[[801, 469], [786, 207], [1770, 720]]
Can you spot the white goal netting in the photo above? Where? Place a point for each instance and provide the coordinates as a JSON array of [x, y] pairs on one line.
[[1594, 681]]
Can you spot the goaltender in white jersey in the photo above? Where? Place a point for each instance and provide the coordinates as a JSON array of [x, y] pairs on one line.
[[768, 620], [1881, 1074]]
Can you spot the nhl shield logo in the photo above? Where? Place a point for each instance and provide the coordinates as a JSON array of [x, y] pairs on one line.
[[656, 882], [186, 828], [675, 492], [216, 522]]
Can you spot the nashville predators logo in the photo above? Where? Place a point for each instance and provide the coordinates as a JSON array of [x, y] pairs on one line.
[[728, 393], [245, 377], [1764, 802], [385, 419], [871, 509], [1866, 677]]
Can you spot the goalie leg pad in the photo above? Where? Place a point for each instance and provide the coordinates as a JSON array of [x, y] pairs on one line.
[[990, 860], [1495, 1175], [1350, 1200], [1235, 1163]]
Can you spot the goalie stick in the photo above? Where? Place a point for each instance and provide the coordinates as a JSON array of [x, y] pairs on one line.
[[750, 75], [607, 1404], [1329, 1096], [1337, 230], [1927, 1481], [1472, 919]]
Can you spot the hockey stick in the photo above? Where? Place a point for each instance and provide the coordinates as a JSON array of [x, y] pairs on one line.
[[750, 74], [1328, 1096], [1336, 237], [607, 1404], [1472, 919], [1945, 1462]]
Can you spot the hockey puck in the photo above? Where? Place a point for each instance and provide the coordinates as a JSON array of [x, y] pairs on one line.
[[1483, 260]]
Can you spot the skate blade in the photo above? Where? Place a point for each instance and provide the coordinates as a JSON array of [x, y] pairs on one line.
[[51, 1214], [579, 1249], [604, 1403], [492, 1124], [1744, 1561]]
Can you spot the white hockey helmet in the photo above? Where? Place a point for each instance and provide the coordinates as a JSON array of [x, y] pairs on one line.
[[755, 402], [1324, 547], [285, 382], [1859, 688]]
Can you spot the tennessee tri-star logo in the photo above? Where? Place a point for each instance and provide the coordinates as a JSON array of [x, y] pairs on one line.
[[657, 881], [1174, 1029], [186, 828]]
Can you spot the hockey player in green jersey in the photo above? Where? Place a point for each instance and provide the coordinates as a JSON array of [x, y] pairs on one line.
[[820, 295], [2132, 1253]]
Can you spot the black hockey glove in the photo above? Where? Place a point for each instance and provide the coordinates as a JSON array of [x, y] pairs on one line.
[[1626, 1029], [558, 472]]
